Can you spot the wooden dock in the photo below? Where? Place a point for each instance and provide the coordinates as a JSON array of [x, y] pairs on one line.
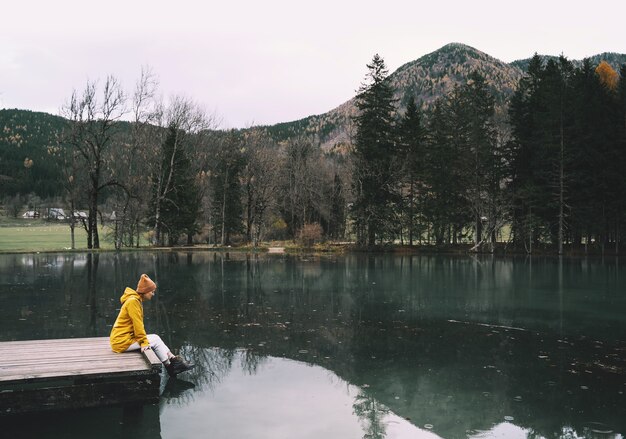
[[42, 375]]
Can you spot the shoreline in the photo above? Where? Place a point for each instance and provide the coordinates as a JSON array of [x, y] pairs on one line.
[[340, 249]]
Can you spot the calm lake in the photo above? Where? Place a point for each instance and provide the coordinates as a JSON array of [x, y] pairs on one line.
[[357, 346]]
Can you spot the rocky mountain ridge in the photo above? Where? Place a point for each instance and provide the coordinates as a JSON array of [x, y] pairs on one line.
[[425, 79]]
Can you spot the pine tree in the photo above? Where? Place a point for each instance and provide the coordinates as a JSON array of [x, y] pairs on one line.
[[541, 127], [180, 204], [621, 145], [483, 175], [438, 174], [621, 97], [411, 135], [585, 154], [375, 180], [445, 206], [558, 128], [610, 147], [227, 210], [464, 171]]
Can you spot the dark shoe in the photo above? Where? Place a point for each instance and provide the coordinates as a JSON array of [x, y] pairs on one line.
[[178, 365]]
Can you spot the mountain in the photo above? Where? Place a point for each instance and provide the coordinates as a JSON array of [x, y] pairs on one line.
[[28, 135], [425, 79], [25, 163]]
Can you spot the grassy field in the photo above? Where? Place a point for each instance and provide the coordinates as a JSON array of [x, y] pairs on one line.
[[17, 235]]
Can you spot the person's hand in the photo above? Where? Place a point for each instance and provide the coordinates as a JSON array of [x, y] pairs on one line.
[[145, 348]]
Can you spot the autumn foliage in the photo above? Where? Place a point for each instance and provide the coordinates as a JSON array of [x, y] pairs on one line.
[[311, 233], [608, 77]]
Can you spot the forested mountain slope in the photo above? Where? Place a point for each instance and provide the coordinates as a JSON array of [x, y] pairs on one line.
[[426, 79], [26, 165]]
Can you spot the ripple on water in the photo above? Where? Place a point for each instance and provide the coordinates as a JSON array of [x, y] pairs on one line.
[[599, 428]]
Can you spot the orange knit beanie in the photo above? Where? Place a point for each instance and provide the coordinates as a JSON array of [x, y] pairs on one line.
[[145, 285]]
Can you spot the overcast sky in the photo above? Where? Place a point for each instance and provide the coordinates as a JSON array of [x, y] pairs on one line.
[[269, 61]]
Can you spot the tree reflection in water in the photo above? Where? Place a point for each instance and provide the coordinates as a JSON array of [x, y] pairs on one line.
[[371, 413]]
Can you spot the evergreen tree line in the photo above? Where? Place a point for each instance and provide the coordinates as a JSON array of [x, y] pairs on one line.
[[567, 155], [549, 174]]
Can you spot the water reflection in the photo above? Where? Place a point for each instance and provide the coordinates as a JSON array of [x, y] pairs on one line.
[[276, 398], [399, 346]]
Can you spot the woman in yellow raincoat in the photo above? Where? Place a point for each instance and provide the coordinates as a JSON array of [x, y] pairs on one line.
[[129, 334]]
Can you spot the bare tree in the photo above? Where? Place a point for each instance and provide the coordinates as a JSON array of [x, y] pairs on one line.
[[93, 117], [72, 185], [190, 122], [305, 186], [142, 148], [260, 181]]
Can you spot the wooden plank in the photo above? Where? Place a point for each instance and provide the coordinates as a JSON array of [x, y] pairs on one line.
[[97, 341], [73, 354], [36, 350], [93, 374], [52, 346], [34, 362], [33, 349], [13, 350], [60, 352], [75, 369], [77, 351], [74, 364], [78, 366], [60, 358], [128, 360], [57, 341]]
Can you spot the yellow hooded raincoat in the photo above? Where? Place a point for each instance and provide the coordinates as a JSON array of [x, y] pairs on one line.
[[128, 327]]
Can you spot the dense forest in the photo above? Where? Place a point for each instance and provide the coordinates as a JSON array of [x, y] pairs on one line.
[[552, 176], [537, 168]]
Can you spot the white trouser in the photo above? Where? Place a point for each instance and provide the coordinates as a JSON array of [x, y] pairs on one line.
[[157, 345]]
